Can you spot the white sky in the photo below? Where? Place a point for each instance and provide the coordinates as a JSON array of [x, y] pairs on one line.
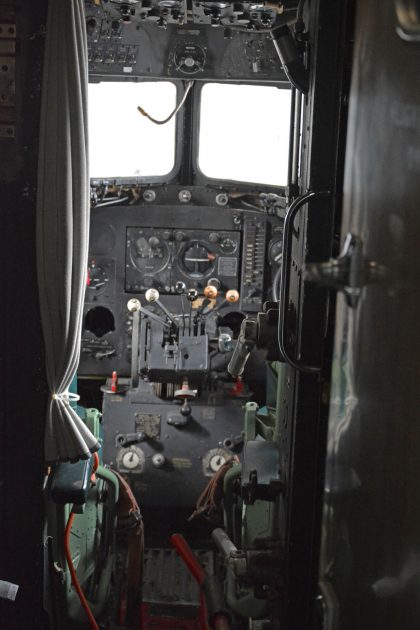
[[244, 131], [122, 142]]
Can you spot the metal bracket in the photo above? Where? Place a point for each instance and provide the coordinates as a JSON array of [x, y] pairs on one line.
[[289, 219], [408, 17], [348, 273]]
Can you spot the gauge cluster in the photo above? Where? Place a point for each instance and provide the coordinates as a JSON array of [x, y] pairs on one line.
[[162, 257], [186, 44]]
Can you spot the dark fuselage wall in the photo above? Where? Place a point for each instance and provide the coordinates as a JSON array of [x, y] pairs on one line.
[[22, 378]]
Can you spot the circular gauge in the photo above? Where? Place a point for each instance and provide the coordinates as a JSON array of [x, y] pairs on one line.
[[228, 246], [197, 260], [131, 459], [97, 278], [149, 255], [275, 252], [189, 58], [213, 460], [216, 462]]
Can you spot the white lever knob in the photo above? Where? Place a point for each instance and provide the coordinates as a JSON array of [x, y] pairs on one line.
[[152, 295], [134, 305]]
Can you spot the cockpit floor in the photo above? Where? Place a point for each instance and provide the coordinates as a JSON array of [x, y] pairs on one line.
[[171, 597]]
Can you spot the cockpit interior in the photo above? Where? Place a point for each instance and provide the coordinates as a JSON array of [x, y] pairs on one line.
[[202, 313]]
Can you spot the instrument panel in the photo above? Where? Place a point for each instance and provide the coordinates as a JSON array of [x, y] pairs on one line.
[[161, 39], [163, 244], [170, 466], [160, 257]]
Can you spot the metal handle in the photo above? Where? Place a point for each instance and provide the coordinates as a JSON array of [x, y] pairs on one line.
[[291, 213], [135, 349]]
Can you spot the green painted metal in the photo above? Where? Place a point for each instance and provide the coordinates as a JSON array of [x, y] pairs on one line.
[[260, 521], [92, 539], [241, 599], [250, 421], [229, 498], [92, 419]]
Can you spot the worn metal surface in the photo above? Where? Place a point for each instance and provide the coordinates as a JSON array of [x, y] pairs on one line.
[[301, 418], [371, 550], [167, 579]]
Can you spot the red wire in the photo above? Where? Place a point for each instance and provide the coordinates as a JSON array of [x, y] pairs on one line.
[[67, 552], [182, 547], [184, 550]]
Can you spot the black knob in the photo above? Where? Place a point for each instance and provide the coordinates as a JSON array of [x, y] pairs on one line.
[[179, 236], [180, 287], [192, 294], [185, 410], [214, 237]]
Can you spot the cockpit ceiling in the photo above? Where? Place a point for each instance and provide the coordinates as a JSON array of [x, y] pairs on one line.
[[222, 41]]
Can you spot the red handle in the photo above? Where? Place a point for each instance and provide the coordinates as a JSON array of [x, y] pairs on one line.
[[184, 550]]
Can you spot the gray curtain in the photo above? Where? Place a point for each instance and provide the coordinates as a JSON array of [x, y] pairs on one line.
[[63, 222]]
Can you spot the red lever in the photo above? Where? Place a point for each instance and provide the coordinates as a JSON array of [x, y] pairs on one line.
[[114, 382], [238, 387]]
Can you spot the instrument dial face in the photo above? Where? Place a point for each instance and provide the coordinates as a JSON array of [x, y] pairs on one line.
[[214, 460], [149, 255], [131, 459], [189, 58], [228, 246], [97, 278], [197, 260]]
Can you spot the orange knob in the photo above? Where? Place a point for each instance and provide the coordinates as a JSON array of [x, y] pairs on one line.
[[210, 292], [232, 296]]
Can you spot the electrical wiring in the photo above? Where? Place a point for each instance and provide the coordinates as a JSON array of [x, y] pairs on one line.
[[111, 202], [67, 552], [174, 113], [209, 499]]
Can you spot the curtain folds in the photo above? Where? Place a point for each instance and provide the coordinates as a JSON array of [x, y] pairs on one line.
[[63, 222]]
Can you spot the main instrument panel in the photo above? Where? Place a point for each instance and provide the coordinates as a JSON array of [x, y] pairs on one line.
[[168, 285], [163, 245], [162, 257]]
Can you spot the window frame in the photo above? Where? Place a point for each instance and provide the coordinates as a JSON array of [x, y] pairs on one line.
[[201, 178], [179, 135]]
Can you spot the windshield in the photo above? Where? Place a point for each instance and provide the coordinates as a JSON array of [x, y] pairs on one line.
[[244, 133], [122, 142]]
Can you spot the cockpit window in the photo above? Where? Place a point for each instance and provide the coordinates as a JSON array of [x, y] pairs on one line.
[[244, 133], [122, 142]]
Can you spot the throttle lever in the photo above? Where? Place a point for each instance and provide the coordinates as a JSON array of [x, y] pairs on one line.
[[245, 343]]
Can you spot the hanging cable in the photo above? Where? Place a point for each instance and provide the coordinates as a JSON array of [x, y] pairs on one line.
[[174, 113], [74, 580]]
